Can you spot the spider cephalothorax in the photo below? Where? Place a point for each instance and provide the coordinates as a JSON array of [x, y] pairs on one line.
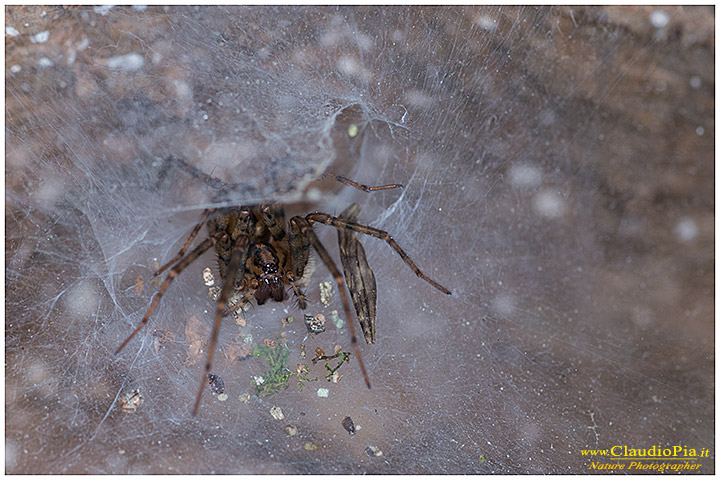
[[259, 253], [265, 265]]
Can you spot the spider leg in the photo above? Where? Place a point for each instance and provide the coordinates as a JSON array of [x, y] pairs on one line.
[[360, 186], [356, 227], [305, 228], [222, 187], [194, 172], [237, 263], [187, 243], [174, 272], [243, 301], [302, 302]]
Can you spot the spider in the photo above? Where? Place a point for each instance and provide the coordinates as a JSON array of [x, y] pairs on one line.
[[259, 253]]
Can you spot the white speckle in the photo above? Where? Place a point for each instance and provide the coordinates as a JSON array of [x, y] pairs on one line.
[[11, 454], [323, 392], [50, 192], [549, 204], [525, 176], [11, 32], [503, 304], [363, 41], [642, 316], [139, 8], [126, 63], [82, 299], [695, 82], [351, 66], [41, 37], [15, 69], [205, 117], [659, 18], [485, 22], [686, 230], [259, 380], [417, 99], [83, 44], [44, 62], [699, 131], [103, 9], [314, 195]]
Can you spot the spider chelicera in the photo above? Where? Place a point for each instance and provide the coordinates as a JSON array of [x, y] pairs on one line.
[[259, 253]]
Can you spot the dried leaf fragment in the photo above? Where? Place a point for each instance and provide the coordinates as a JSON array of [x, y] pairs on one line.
[[237, 352], [139, 285], [217, 385], [349, 425], [208, 277], [162, 337], [214, 293], [315, 324], [373, 451], [277, 413], [131, 401], [240, 321], [197, 334], [326, 292]]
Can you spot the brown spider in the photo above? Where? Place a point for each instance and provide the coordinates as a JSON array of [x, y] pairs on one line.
[[259, 254]]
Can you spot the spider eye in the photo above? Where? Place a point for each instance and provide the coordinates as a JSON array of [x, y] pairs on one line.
[[270, 268]]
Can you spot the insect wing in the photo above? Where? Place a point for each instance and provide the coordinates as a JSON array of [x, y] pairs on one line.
[[358, 275]]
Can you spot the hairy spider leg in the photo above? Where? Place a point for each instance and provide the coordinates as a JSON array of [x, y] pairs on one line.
[[243, 301], [299, 295], [360, 186], [235, 267], [174, 272], [273, 217], [306, 230], [187, 243], [340, 223], [194, 172]]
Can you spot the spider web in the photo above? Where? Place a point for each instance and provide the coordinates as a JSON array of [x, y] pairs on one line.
[[558, 169]]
